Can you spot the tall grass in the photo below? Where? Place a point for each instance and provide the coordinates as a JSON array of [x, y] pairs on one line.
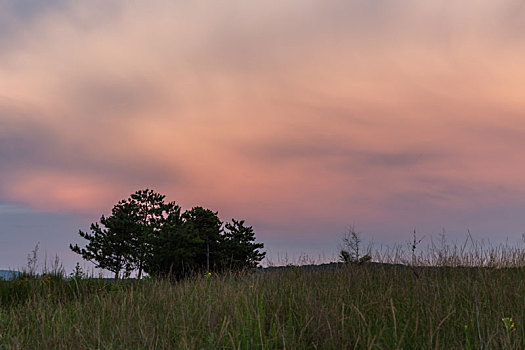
[[439, 303]]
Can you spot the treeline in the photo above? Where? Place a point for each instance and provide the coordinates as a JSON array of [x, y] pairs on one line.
[[146, 234]]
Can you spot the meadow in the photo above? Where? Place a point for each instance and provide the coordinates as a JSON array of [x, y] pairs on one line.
[[447, 297]]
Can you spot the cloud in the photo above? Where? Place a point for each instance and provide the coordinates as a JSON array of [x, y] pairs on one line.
[[52, 170], [294, 111], [102, 97]]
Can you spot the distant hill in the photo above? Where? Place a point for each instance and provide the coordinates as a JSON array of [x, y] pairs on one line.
[[8, 274], [332, 266]]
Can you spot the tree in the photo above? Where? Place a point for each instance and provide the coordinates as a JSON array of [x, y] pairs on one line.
[[145, 234], [126, 241], [150, 213], [196, 241], [350, 253], [239, 251], [109, 248], [173, 248], [206, 225]]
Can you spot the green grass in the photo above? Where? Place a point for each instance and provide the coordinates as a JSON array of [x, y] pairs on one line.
[[363, 307], [447, 297]]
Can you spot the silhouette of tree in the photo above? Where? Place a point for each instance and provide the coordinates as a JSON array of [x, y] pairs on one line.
[[206, 225], [239, 251], [151, 212], [174, 248], [146, 234], [109, 247]]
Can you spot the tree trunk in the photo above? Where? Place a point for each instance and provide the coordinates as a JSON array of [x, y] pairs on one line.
[[207, 256]]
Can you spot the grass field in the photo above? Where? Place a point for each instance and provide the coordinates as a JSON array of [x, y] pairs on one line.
[[438, 304]]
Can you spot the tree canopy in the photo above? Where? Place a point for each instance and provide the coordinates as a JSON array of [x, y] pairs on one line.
[[146, 234]]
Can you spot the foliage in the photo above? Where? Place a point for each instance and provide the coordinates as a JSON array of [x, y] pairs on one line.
[[196, 241], [207, 226], [150, 215], [174, 250], [239, 250], [111, 248], [146, 234]]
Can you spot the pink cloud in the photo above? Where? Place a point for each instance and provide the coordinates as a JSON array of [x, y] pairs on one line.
[[284, 113]]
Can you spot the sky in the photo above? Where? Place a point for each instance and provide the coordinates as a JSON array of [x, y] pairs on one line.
[[302, 117]]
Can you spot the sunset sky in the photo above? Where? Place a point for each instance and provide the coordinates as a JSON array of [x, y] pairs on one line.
[[300, 116]]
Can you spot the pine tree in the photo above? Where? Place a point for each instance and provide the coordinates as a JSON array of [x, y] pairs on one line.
[[151, 211], [108, 247], [206, 225], [145, 234], [174, 247], [239, 251]]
